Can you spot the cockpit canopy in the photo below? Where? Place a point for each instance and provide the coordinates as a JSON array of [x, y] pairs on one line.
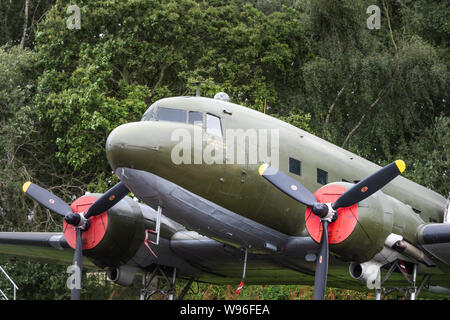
[[158, 113]]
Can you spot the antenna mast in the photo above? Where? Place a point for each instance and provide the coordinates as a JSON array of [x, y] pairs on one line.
[[197, 87]]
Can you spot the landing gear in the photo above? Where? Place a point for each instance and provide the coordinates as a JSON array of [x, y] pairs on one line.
[[166, 280], [167, 288], [410, 292]]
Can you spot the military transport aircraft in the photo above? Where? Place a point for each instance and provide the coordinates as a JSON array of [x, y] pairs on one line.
[[228, 194]]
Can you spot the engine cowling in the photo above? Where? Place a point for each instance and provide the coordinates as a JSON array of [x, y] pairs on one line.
[[113, 236], [123, 275], [360, 231]]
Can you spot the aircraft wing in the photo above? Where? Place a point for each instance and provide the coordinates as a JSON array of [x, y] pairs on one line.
[[435, 239], [213, 261], [440, 251], [42, 246]]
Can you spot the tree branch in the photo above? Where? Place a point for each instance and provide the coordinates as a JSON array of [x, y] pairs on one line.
[[25, 25], [161, 75], [330, 109], [350, 134], [390, 28]]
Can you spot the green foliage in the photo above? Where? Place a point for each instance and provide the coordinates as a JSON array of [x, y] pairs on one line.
[[429, 19], [382, 94], [12, 17], [298, 119], [203, 291], [18, 132], [41, 281], [373, 91], [428, 156], [106, 73]]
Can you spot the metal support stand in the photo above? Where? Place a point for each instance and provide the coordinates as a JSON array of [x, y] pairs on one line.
[[158, 226], [167, 290], [413, 291], [185, 289], [378, 294], [410, 292], [174, 278], [241, 285], [15, 288]]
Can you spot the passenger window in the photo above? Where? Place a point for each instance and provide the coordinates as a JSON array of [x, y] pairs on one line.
[[196, 118], [213, 125], [322, 176], [295, 166], [174, 115]]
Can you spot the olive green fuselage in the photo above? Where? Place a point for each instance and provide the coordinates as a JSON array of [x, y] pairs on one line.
[[150, 146]]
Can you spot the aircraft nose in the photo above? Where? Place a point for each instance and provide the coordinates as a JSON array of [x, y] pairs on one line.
[[117, 144], [131, 145], [144, 145]]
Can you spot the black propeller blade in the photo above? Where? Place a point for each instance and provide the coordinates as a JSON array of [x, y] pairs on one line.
[[288, 185], [358, 192], [107, 200], [370, 185], [320, 277], [79, 221], [75, 292], [47, 199]]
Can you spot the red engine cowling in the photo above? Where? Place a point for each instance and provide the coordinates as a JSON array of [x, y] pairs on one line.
[[113, 236], [360, 231]]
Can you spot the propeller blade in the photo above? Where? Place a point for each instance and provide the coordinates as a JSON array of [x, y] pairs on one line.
[[47, 199], [75, 293], [288, 185], [320, 278], [370, 185], [107, 200]]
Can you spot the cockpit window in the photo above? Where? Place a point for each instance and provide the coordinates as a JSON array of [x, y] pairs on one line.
[[196, 118], [213, 125], [167, 114], [148, 115]]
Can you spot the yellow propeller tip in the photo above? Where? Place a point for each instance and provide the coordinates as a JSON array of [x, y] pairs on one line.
[[25, 186], [400, 165], [262, 168]]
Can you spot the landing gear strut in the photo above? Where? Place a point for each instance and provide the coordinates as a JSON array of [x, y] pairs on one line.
[[410, 292], [165, 286], [168, 287]]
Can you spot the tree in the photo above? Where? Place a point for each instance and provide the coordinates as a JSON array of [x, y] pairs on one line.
[[428, 156], [374, 91], [19, 18], [106, 73], [20, 156]]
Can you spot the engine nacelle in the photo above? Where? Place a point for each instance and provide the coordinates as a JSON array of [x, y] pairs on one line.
[[368, 272], [113, 236], [123, 275], [360, 231]]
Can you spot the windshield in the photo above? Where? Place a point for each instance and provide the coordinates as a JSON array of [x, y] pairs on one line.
[[148, 114], [155, 113], [168, 114]]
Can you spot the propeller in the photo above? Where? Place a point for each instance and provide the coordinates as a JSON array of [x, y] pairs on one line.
[[79, 220], [327, 212]]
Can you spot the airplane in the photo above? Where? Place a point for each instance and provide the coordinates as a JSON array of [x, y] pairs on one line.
[[216, 206]]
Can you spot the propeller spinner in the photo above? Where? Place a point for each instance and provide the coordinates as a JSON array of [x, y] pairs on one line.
[[81, 220], [327, 212]]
